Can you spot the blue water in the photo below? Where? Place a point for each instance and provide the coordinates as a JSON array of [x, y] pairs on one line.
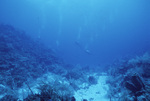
[[86, 32]]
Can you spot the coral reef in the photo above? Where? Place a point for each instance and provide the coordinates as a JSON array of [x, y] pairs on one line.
[[129, 81], [23, 59]]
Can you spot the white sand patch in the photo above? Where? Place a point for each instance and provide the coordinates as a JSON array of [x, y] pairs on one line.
[[96, 92]]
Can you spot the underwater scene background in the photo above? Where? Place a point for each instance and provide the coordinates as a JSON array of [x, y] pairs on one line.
[[74, 50]]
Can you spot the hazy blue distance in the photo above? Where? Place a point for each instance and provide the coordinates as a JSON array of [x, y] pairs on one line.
[[83, 31]]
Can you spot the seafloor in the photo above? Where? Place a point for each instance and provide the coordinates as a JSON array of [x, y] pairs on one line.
[[29, 71]]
